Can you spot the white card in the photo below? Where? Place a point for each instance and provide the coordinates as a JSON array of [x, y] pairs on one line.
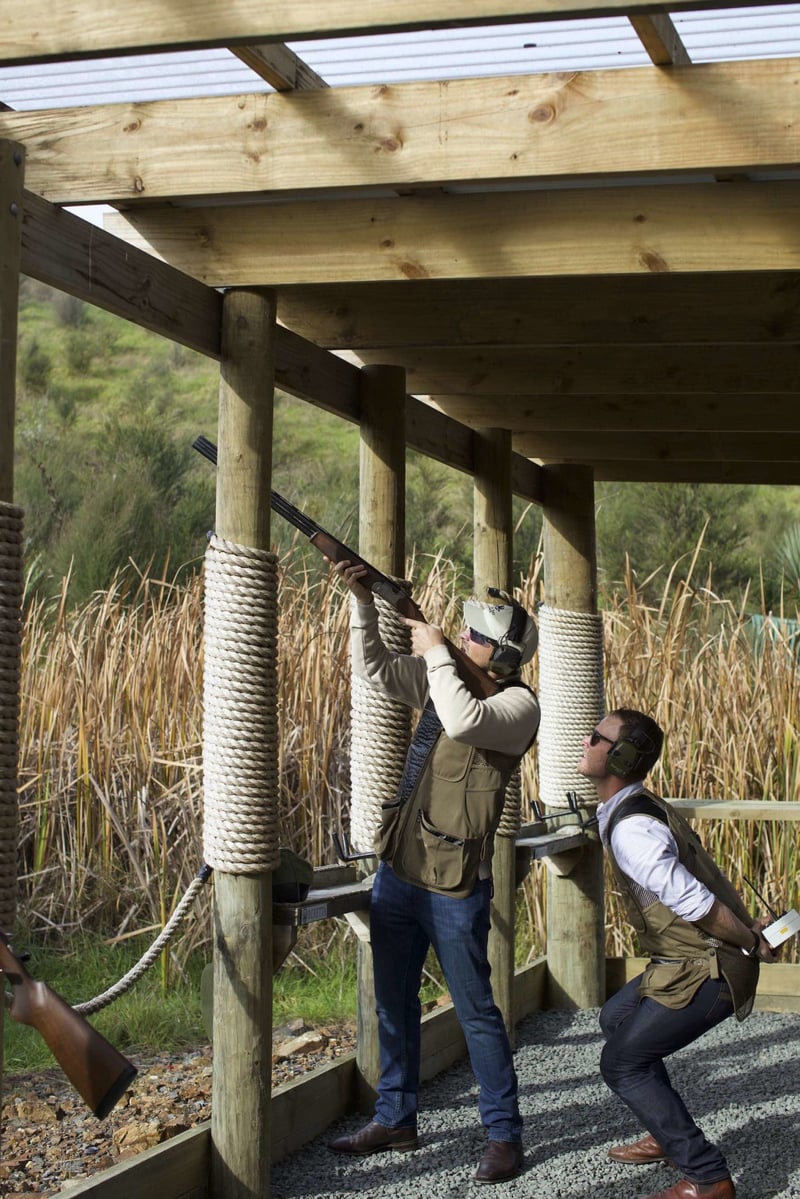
[[783, 929]]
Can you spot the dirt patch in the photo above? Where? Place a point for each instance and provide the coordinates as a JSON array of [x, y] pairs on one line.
[[49, 1138]]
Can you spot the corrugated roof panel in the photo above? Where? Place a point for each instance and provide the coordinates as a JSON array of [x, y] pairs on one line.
[[525, 48], [769, 32], [498, 50], [137, 77]]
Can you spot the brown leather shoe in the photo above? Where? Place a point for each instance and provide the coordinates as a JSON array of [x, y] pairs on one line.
[[724, 1189], [501, 1160], [638, 1153], [374, 1138]]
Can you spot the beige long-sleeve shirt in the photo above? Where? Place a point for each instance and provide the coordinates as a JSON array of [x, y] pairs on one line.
[[504, 722]]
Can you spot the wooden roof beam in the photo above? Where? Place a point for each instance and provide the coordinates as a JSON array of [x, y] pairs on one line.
[[611, 371], [775, 474], [596, 231], [706, 447], [567, 127], [280, 67], [39, 30], [646, 309], [660, 39], [654, 412]]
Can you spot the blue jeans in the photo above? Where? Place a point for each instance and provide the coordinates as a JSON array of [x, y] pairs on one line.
[[639, 1034], [404, 921]]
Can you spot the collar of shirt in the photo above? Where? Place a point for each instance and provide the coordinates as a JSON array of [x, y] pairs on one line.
[[605, 810]]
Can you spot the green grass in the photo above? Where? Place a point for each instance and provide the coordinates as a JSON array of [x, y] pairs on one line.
[[147, 1017]]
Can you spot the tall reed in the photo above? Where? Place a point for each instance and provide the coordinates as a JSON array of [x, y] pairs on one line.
[[111, 787]]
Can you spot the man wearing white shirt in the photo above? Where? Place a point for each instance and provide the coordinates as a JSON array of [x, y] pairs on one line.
[[704, 951]]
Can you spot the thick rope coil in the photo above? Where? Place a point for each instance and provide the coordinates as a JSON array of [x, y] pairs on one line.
[[240, 733], [10, 656], [571, 694], [151, 955], [380, 731], [510, 817]]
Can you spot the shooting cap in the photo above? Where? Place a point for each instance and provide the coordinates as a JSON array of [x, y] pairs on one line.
[[508, 624]]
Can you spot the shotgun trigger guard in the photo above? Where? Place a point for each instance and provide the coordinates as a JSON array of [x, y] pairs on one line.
[[389, 591]]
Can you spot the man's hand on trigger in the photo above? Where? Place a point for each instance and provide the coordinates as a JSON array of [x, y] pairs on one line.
[[423, 636], [351, 576]]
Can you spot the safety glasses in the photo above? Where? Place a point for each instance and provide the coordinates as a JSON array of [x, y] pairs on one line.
[[479, 638], [594, 737]]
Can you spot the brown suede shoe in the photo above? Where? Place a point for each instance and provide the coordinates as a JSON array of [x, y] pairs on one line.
[[374, 1138], [638, 1153], [501, 1160], [724, 1189]]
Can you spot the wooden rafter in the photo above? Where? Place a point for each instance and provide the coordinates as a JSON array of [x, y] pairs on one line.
[[280, 67], [601, 370], [593, 231], [640, 447], [738, 307], [656, 412], [660, 39], [563, 127]]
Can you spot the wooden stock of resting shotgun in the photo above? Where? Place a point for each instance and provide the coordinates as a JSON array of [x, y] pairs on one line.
[[477, 681], [98, 1072]]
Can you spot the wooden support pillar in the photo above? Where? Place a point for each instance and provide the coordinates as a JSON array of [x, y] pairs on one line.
[[241, 1090], [492, 568], [12, 172], [575, 902], [382, 537]]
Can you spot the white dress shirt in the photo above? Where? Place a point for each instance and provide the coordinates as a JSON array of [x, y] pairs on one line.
[[647, 852]]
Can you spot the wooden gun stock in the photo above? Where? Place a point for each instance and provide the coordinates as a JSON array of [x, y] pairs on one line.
[[474, 679], [99, 1073]]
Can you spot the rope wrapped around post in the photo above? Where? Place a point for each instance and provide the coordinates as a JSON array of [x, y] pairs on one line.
[[572, 698], [510, 817], [380, 730], [10, 670], [240, 733]]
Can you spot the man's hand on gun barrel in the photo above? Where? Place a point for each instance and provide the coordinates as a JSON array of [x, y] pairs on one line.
[[423, 636]]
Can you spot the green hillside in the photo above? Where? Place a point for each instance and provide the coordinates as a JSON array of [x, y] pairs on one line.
[[107, 412]]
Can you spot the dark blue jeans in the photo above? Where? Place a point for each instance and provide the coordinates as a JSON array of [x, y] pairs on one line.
[[639, 1034], [404, 921]]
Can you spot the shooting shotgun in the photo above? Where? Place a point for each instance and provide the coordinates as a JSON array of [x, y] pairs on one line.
[[98, 1072], [476, 680]]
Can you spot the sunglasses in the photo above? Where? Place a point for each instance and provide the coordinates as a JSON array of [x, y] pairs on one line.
[[594, 737], [479, 638]]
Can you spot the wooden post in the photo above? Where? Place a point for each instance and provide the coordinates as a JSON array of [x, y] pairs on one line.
[[382, 536], [492, 568], [241, 1089], [575, 904], [12, 172]]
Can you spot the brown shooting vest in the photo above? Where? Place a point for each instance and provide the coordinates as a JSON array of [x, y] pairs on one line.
[[438, 836], [682, 955]]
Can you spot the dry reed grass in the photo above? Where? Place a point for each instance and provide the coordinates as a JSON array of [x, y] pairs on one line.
[[111, 737]]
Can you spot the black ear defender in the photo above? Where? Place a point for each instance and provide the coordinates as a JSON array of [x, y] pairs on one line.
[[628, 755], [508, 651]]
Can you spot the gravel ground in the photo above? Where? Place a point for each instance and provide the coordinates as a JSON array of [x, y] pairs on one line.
[[741, 1082]]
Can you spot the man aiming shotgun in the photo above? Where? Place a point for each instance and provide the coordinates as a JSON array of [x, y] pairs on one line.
[[434, 885], [98, 1072]]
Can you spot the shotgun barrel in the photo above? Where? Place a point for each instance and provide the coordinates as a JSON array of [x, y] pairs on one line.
[[475, 679]]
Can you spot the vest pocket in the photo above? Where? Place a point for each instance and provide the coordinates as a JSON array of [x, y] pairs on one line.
[[390, 813], [440, 859]]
